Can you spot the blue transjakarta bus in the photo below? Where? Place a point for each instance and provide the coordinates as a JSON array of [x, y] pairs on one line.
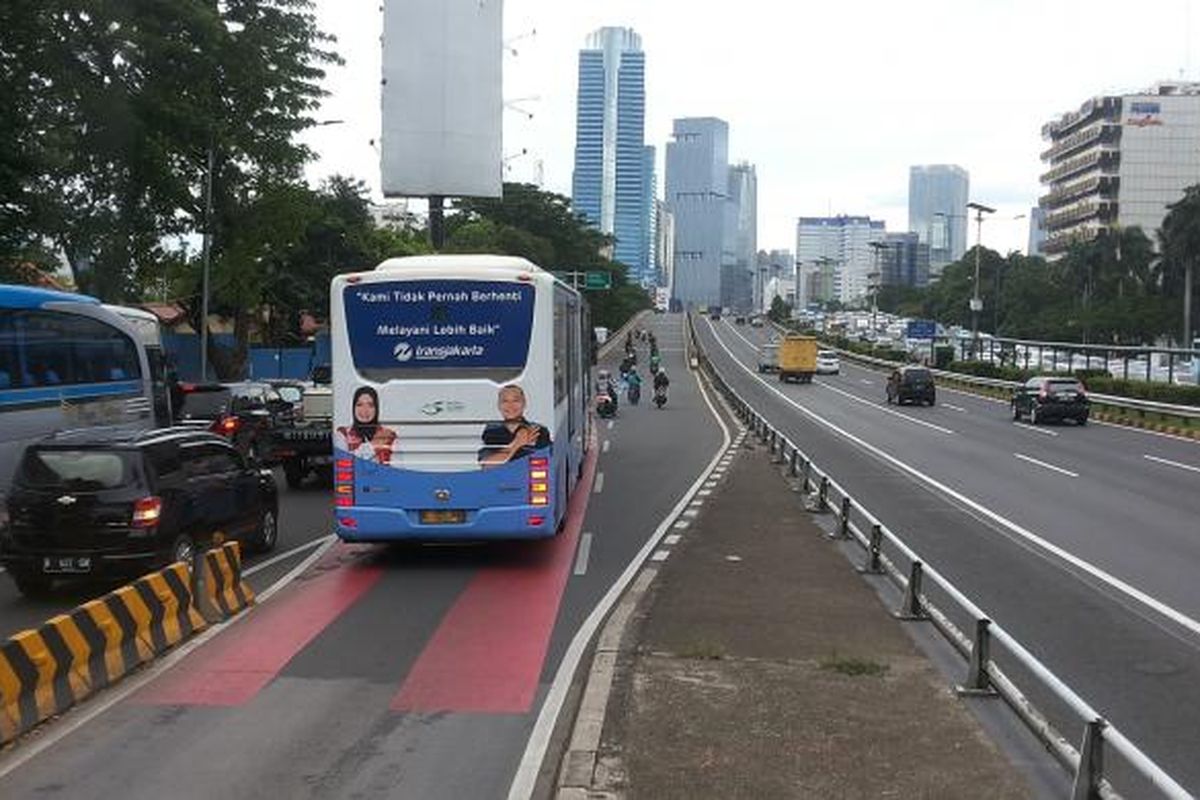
[[66, 362], [460, 392]]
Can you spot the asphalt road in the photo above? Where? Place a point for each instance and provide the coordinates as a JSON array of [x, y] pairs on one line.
[[385, 672], [305, 518], [1081, 541]]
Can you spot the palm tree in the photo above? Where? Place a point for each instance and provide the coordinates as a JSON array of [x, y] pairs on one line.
[[1179, 241]]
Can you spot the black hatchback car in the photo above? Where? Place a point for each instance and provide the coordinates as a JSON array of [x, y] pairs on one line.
[[913, 384], [120, 504], [1046, 398]]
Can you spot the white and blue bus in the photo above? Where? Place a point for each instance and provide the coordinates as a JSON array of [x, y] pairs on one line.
[[149, 333], [460, 393], [66, 362]]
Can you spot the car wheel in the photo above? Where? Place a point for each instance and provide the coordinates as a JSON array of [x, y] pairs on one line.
[[889, 398], [1033, 415], [268, 531], [183, 549], [254, 452], [293, 471], [1082, 420], [1016, 411], [32, 584], [932, 400]]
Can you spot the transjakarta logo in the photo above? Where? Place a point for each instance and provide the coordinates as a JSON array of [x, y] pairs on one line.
[[403, 351]]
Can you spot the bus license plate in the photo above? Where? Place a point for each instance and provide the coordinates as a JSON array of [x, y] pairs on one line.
[[67, 564], [443, 517]]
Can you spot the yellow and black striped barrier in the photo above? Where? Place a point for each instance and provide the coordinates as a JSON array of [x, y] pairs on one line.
[[223, 593], [46, 670]]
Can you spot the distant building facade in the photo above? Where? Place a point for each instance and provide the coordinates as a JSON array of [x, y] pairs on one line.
[[741, 247], [904, 261], [839, 250], [937, 210], [697, 195], [610, 185], [1119, 161], [1037, 231], [664, 244]]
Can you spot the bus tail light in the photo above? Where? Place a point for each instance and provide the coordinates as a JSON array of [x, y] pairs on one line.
[[226, 426], [343, 483], [539, 485], [536, 520]]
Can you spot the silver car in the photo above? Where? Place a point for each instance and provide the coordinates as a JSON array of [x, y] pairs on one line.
[[827, 363]]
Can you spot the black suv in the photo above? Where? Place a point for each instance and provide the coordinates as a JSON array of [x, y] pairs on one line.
[[1045, 398], [244, 413], [911, 383], [109, 504]]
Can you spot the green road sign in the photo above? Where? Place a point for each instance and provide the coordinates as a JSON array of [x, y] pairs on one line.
[[597, 280]]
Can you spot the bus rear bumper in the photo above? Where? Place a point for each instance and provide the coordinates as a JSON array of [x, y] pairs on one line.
[[364, 524]]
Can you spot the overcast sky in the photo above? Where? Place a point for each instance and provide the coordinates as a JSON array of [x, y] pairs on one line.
[[831, 101]]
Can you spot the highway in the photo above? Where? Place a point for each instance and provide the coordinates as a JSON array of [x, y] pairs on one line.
[[385, 672], [1083, 542]]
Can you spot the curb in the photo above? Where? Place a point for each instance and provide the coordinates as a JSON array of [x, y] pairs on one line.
[[46, 670]]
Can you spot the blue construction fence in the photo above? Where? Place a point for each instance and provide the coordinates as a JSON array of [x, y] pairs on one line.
[[264, 362]]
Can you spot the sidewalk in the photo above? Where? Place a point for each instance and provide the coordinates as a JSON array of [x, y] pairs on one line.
[[759, 665]]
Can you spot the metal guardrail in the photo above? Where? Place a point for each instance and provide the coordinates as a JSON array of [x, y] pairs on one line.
[[984, 676], [1112, 400]]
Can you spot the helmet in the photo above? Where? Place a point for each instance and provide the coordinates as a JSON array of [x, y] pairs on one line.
[[602, 375]]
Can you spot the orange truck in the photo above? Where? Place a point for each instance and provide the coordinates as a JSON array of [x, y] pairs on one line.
[[797, 358]]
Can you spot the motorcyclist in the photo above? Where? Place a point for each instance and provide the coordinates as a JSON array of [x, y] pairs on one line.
[[655, 362], [661, 382], [633, 386], [606, 387]]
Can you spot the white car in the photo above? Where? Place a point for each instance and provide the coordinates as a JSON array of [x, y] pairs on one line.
[[827, 363]]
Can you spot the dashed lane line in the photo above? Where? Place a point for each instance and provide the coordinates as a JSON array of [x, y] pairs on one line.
[[672, 538], [605, 446], [1171, 463], [660, 555], [581, 555], [1034, 429], [1045, 465]]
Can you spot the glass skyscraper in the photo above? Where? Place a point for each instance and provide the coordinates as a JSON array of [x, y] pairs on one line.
[[937, 211], [697, 194], [613, 182]]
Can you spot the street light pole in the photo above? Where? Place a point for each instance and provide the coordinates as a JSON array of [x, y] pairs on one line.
[[207, 259], [976, 302]]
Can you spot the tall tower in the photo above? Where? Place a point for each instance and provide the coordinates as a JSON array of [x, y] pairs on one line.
[[697, 194], [609, 182], [937, 211]]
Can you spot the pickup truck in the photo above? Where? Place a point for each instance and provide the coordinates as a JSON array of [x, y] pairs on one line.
[[306, 445]]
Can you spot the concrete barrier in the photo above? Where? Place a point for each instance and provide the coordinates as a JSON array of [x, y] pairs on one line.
[[47, 670], [223, 593]]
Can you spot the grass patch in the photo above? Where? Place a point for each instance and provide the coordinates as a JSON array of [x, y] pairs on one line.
[[853, 667]]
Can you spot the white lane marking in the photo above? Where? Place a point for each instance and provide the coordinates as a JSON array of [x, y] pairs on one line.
[[605, 446], [75, 718], [867, 382], [886, 410], [610, 424], [599, 487], [1034, 429], [525, 778], [682, 524], [1044, 465], [660, 555], [1171, 463], [704, 492], [743, 338], [581, 555], [1113, 581], [672, 538], [953, 407], [287, 554]]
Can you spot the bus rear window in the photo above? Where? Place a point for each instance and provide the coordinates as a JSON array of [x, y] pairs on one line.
[[439, 328]]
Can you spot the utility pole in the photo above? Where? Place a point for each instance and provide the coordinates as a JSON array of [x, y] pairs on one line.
[[976, 302], [207, 259]]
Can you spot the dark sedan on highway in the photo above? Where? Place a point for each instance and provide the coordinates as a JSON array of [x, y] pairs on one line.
[[1046, 398], [911, 384]]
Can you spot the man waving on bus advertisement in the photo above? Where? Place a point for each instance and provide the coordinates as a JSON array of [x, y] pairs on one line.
[[515, 437]]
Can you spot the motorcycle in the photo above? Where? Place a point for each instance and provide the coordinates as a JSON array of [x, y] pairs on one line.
[[634, 393], [660, 397]]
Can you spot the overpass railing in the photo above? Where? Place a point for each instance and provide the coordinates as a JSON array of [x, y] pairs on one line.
[[996, 663]]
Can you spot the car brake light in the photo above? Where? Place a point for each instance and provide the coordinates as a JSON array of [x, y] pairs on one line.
[[187, 387], [146, 512]]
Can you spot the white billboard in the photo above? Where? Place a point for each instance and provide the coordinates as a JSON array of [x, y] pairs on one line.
[[442, 102]]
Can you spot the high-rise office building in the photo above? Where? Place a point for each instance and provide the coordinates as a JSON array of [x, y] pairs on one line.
[[1037, 230], [937, 211], [741, 246], [903, 261], [697, 186], [1118, 161], [664, 244], [836, 254], [610, 185]]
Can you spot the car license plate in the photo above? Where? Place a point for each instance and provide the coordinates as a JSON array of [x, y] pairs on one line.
[[443, 517], [1066, 396], [67, 564]]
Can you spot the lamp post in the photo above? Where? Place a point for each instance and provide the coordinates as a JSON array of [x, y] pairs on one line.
[[874, 280], [976, 302], [206, 245]]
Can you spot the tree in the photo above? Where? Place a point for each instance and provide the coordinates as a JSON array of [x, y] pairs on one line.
[[1179, 239], [780, 311]]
